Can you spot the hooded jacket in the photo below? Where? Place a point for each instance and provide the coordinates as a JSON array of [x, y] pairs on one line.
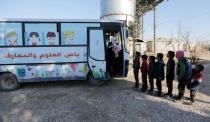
[[181, 68]]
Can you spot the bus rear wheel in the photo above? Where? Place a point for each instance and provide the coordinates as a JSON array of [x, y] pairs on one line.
[[8, 82]]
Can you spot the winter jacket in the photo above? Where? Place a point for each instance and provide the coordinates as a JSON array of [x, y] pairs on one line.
[[144, 67], [136, 63], [159, 70], [170, 69], [195, 82], [181, 69], [151, 69]]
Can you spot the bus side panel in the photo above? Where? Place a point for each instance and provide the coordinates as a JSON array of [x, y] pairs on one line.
[[47, 72]]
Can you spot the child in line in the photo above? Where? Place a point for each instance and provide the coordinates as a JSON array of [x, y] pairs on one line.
[[170, 72], [195, 82], [151, 73], [181, 72], [144, 73], [136, 66], [159, 73]]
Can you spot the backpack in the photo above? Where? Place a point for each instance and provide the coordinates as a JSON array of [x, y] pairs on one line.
[[188, 72]]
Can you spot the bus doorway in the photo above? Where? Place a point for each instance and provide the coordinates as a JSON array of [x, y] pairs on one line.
[[114, 51]]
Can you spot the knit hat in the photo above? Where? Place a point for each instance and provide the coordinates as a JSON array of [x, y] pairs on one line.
[[179, 54]]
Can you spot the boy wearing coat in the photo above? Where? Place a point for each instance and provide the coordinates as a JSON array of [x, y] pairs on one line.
[[159, 73]]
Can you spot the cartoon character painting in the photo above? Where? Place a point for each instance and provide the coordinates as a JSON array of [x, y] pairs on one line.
[[69, 37], [51, 38], [34, 38], [74, 67], [84, 69], [12, 38]]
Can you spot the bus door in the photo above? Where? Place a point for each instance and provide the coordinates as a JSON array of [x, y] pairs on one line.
[[114, 46], [96, 53], [125, 51]]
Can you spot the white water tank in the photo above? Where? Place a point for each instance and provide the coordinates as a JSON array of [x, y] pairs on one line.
[[123, 10]]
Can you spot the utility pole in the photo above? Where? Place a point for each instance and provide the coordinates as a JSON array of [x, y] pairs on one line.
[[179, 36], [154, 22], [142, 27]]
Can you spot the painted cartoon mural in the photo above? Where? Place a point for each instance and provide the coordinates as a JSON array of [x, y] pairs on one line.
[[68, 37], [12, 38], [34, 38], [98, 73], [10, 34], [51, 38], [48, 71]]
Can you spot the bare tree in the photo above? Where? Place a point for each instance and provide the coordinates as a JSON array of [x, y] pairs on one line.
[[192, 49]]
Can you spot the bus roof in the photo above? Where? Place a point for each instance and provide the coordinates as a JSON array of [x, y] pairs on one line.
[[53, 20]]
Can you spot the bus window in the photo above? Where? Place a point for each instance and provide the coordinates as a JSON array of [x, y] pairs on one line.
[[10, 34], [41, 34], [75, 33]]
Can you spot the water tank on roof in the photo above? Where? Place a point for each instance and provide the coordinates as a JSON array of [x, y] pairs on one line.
[[123, 10]]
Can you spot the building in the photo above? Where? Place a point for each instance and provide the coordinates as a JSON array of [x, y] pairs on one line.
[[163, 45]]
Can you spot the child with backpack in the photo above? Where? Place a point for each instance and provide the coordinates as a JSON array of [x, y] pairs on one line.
[[144, 73], [151, 73], [136, 66], [170, 72], [159, 73], [183, 73], [195, 82]]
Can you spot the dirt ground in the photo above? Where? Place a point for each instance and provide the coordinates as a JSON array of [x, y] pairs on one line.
[[75, 101]]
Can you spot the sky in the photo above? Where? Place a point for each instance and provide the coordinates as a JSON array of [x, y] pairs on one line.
[[193, 15]]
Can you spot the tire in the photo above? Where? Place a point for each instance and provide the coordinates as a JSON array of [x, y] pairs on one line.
[[94, 82], [8, 82]]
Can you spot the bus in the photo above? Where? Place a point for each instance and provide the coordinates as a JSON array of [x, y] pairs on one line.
[[54, 50]]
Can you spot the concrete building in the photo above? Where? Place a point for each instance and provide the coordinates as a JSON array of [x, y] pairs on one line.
[[163, 45]]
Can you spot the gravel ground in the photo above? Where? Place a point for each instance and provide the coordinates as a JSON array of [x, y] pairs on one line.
[[75, 101]]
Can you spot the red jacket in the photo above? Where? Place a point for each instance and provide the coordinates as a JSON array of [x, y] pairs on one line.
[[144, 67]]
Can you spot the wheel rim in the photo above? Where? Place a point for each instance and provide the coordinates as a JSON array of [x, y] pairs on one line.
[[8, 82]]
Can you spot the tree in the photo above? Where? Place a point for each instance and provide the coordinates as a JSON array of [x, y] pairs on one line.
[[193, 52]]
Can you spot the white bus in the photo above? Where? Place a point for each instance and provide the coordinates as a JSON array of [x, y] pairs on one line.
[[53, 50]]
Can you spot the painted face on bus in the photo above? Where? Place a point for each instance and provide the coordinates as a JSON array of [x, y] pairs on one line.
[[68, 37], [34, 38], [12, 38], [51, 38]]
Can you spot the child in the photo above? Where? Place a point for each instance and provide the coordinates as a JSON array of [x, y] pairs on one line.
[[195, 82], [170, 72], [151, 72], [110, 59], [136, 66], [144, 73], [159, 73], [181, 71]]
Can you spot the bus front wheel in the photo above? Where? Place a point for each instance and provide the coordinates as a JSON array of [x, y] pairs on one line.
[[8, 82]]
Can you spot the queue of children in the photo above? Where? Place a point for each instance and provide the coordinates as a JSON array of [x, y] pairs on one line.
[[151, 69]]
